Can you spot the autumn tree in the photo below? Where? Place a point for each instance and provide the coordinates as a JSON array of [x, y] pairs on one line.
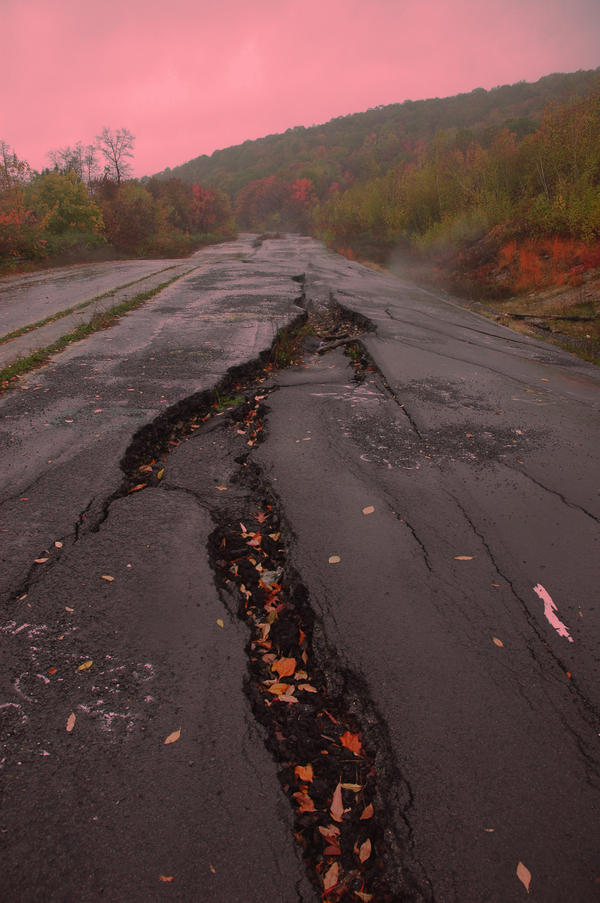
[[82, 159], [116, 146]]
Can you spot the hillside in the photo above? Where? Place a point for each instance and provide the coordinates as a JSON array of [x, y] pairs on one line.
[[363, 145]]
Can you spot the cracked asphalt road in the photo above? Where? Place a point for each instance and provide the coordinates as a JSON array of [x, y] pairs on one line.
[[477, 449]]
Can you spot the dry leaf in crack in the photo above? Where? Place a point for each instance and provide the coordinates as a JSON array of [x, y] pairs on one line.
[[368, 812], [58, 544], [278, 689], [351, 742], [337, 806], [364, 851], [137, 488], [41, 560], [332, 850], [331, 876], [308, 688], [172, 738], [274, 536], [160, 474], [220, 622], [305, 804], [304, 772], [369, 509], [463, 558], [363, 896], [107, 577], [355, 788], [334, 559], [71, 722], [221, 488], [524, 875], [166, 878], [331, 833], [85, 665], [261, 518], [497, 641], [285, 667]]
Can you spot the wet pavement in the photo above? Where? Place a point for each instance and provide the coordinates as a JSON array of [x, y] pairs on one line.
[[436, 541]]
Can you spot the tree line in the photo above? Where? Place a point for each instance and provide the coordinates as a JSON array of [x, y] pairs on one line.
[[86, 206]]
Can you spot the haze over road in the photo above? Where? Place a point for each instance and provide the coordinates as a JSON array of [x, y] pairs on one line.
[[457, 620]]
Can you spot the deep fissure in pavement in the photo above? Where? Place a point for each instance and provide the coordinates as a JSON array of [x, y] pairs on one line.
[[335, 758]]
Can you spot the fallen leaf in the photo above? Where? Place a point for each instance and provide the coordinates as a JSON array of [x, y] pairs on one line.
[[356, 788], [160, 474], [334, 559], [166, 878], [172, 738], [331, 832], [337, 806], [285, 667], [331, 877], [489, 830], [368, 812], [274, 536], [212, 868], [524, 875], [332, 850], [261, 518], [145, 468], [278, 689], [364, 851], [58, 544], [220, 622], [51, 670], [85, 665], [307, 688], [369, 509], [107, 577], [41, 560], [221, 488], [138, 487], [305, 804], [67, 608], [363, 896], [497, 641], [304, 772], [351, 742], [71, 722], [463, 558]]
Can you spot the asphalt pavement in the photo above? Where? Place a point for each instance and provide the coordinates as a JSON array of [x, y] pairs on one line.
[[438, 501]]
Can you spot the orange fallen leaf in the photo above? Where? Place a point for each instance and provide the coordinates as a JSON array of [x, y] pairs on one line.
[[221, 488], [71, 722], [274, 536], [308, 688], [331, 877], [160, 474], [51, 670], [330, 833], [337, 806], [107, 577], [41, 560], [278, 689], [220, 622], [369, 509], [364, 851], [212, 868], [524, 875], [355, 788], [166, 878], [85, 665], [332, 850], [363, 896], [304, 772], [285, 667], [463, 558], [260, 517], [145, 468], [351, 742], [172, 738], [497, 641], [138, 487], [368, 812], [334, 559], [58, 544], [305, 804]]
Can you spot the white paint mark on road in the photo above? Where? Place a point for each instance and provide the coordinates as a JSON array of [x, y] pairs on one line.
[[550, 610]]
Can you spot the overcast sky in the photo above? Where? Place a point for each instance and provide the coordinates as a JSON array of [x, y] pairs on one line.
[[189, 76]]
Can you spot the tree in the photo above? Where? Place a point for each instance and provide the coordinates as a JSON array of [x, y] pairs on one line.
[[115, 146], [82, 160], [61, 200]]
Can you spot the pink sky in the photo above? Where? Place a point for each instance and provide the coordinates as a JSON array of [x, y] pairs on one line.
[[189, 76]]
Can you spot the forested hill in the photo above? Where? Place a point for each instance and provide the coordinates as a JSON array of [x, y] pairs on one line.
[[364, 145]]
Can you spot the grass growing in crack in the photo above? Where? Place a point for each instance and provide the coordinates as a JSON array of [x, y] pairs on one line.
[[224, 402], [101, 321]]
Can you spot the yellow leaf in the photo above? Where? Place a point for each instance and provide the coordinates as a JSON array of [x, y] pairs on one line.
[[304, 772], [463, 558], [85, 665], [107, 577], [356, 788], [524, 875], [364, 851], [172, 738], [160, 474], [220, 622], [274, 536], [334, 559], [71, 722], [369, 509], [363, 896], [497, 641], [331, 876]]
